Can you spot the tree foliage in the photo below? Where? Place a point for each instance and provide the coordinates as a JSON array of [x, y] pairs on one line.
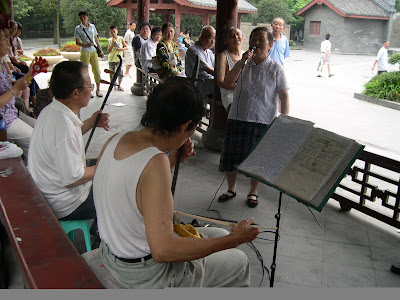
[[99, 14]]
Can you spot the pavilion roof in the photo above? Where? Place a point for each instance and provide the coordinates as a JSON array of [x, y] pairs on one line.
[[352, 8], [243, 6]]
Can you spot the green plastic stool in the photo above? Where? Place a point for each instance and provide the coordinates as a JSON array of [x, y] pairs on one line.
[[70, 226]]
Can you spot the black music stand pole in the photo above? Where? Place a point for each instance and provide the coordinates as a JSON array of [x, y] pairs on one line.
[[278, 218]]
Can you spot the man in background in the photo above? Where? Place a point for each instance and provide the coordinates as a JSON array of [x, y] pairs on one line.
[[86, 36], [128, 37], [280, 49], [325, 56], [382, 58]]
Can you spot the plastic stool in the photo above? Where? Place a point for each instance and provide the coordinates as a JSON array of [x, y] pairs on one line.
[[70, 226]]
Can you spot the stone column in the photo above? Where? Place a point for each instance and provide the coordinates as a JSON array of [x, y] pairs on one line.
[[226, 17]]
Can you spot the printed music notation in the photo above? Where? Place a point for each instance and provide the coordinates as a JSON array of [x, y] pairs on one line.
[[302, 161]]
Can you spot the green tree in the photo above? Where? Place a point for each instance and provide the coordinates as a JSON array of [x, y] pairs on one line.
[[269, 10], [397, 5], [99, 14]]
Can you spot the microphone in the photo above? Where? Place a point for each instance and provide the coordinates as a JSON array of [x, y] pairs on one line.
[[252, 49]]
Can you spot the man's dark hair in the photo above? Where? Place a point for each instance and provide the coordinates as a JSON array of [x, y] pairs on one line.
[[144, 24], [132, 22], [19, 25], [66, 77], [166, 25], [113, 27], [83, 13], [327, 36], [270, 37], [187, 31], [385, 41], [155, 30], [172, 104]]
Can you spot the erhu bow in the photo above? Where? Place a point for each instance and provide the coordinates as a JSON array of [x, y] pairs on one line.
[[114, 79]]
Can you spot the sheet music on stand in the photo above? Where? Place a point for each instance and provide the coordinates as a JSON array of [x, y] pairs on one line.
[[300, 160]]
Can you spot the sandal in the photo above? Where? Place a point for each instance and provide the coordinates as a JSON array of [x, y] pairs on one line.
[[252, 202], [225, 197], [331, 75], [120, 89], [98, 94]]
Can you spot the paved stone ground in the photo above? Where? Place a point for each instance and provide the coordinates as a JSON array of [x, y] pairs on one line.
[[352, 250]]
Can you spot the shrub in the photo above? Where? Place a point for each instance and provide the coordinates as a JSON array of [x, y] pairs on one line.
[[291, 43], [104, 44], [24, 58], [394, 58], [70, 48], [46, 52], [384, 86]]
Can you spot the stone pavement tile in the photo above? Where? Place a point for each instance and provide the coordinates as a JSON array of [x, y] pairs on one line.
[[300, 248], [383, 257], [384, 239], [301, 228], [298, 211], [335, 275], [282, 284], [334, 215], [298, 271], [347, 255], [350, 234], [387, 279]]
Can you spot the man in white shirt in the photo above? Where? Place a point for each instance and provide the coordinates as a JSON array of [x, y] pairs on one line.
[[325, 56], [382, 58], [128, 37], [57, 160], [202, 49]]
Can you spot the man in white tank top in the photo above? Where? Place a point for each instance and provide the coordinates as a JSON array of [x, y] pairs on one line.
[[134, 204]]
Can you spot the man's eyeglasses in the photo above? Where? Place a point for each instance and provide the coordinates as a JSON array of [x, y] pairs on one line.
[[91, 87]]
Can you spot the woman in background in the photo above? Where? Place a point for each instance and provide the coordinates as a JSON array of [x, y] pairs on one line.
[[168, 54], [226, 61]]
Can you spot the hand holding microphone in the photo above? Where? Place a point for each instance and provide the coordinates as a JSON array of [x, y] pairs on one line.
[[249, 54]]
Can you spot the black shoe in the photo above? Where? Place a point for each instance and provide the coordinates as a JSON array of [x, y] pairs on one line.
[[395, 269]]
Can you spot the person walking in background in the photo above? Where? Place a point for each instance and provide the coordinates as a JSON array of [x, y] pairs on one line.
[[280, 49], [226, 61], [86, 36], [325, 56], [138, 40], [128, 54], [300, 35], [382, 58], [116, 45]]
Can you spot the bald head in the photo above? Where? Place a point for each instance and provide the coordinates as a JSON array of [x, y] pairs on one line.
[[207, 37]]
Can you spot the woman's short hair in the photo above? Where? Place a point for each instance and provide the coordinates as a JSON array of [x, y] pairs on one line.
[[172, 104], [66, 77], [165, 26], [270, 37]]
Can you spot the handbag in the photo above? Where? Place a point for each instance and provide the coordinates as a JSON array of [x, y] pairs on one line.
[[155, 61], [172, 60], [98, 50]]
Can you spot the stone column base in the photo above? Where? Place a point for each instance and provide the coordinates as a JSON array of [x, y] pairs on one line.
[[213, 139], [137, 89]]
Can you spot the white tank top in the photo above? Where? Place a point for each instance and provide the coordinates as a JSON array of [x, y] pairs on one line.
[[120, 223], [227, 95]]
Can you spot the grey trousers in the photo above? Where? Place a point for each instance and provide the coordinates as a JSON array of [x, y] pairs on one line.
[[227, 268]]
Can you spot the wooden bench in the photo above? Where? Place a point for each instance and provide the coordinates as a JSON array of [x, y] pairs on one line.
[[46, 256]]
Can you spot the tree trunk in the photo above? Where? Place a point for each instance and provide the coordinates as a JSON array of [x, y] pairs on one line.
[[57, 24]]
